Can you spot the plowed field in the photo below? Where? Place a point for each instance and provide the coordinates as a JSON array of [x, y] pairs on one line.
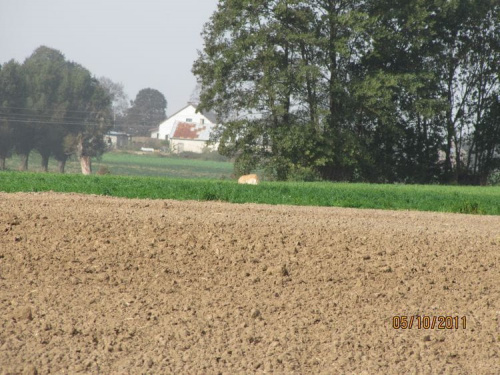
[[104, 285]]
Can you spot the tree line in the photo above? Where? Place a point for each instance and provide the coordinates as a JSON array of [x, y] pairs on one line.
[[58, 108], [356, 90], [138, 116]]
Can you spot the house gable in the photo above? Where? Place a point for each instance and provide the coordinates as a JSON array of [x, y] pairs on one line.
[[187, 114]]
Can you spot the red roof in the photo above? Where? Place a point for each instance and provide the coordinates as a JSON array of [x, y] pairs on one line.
[[186, 130]]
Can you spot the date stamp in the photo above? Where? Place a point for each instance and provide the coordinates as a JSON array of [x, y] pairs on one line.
[[429, 322]]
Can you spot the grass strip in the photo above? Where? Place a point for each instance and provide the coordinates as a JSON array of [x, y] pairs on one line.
[[460, 199]]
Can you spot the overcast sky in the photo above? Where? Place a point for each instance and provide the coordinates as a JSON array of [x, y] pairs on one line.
[[140, 43]]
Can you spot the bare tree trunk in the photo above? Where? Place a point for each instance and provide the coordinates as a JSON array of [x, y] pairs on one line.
[[45, 163], [85, 161], [86, 165], [24, 162], [62, 165]]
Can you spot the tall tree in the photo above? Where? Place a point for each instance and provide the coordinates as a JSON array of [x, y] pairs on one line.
[[147, 110], [283, 65], [484, 154], [67, 111], [397, 94], [352, 89], [44, 71], [466, 60], [86, 115], [90, 137], [480, 140], [12, 101]]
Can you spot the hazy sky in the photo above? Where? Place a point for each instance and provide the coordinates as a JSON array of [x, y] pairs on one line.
[[140, 43]]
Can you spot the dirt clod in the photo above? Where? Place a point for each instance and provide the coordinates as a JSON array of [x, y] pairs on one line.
[[30, 370], [25, 313], [255, 313], [284, 270]]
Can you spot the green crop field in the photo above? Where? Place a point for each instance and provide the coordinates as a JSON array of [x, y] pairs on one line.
[[473, 200], [152, 165], [139, 165]]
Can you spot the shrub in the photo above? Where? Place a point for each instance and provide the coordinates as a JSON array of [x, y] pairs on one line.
[[468, 207], [103, 170], [494, 179], [207, 155], [299, 173]]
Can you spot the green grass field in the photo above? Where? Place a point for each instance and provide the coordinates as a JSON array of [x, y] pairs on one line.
[[473, 200], [139, 165]]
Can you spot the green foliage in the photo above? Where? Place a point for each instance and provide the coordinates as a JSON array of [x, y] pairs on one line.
[[12, 92], [148, 110], [54, 106], [299, 173], [471, 200], [97, 124], [494, 179], [468, 207], [43, 71], [244, 164], [355, 90]]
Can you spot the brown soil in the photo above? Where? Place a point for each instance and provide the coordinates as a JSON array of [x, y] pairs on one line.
[[95, 284]]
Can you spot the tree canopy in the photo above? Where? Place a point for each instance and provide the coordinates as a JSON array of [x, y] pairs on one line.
[[356, 90], [148, 110], [54, 106]]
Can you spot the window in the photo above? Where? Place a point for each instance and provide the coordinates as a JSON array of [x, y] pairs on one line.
[[203, 121], [189, 120]]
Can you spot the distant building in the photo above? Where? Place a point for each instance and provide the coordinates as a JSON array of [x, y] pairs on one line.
[[154, 132], [186, 130], [116, 139]]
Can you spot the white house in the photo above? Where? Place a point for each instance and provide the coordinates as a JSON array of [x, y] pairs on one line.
[[186, 129]]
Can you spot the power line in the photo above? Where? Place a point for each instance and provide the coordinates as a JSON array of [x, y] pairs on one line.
[[41, 116], [31, 109], [28, 117], [33, 112], [56, 123], [52, 122]]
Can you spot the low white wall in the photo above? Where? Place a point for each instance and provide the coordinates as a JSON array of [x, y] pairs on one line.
[[180, 145]]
